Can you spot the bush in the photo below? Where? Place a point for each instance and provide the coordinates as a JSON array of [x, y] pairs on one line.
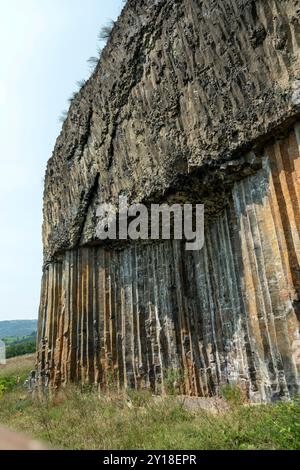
[[63, 116], [7, 384], [80, 83], [173, 381], [233, 394], [105, 31]]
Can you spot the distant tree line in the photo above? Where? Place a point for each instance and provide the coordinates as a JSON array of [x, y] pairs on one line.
[[20, 346]]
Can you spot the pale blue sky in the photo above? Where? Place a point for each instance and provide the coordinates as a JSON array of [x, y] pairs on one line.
[[44, 45]]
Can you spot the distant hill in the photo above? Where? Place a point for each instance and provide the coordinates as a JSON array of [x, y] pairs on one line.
[[17, 328]]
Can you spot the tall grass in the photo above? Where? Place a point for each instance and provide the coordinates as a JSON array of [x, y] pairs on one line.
[[77, 418]]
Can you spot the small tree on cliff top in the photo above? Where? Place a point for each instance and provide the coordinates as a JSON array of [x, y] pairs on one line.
[[105, 31]]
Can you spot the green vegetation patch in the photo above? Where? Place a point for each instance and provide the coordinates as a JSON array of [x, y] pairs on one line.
[[72, 419], [14, 374], [80, 418]]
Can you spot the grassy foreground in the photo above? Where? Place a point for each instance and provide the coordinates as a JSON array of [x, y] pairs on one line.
[[82, 420]]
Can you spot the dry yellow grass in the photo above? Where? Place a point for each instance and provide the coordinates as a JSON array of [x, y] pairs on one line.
[[18, 366]]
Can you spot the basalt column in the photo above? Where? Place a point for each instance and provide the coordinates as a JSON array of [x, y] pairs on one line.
[[191, 102], [151, 314]]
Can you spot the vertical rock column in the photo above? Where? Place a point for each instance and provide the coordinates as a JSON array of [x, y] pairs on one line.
[[156, 316], [267, 207]]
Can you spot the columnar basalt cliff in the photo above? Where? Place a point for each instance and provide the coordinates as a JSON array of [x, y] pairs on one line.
[[192, 101]]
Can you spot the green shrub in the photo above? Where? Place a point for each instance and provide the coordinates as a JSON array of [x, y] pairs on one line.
[[233, 394], [173, 381], [105, 31]]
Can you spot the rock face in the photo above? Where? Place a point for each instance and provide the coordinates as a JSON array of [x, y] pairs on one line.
[[192, 101]]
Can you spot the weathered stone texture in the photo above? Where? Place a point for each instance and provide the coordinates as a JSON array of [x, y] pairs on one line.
[[181, 84], [191, 101]]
